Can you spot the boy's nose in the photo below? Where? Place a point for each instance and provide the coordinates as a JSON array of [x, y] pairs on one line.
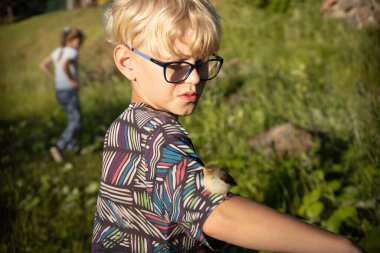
[[193, 77]]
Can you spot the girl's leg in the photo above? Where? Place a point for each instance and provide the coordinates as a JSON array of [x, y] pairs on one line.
[[69, 101]]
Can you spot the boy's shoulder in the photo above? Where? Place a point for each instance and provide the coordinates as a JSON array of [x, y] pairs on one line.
[[145, 117]]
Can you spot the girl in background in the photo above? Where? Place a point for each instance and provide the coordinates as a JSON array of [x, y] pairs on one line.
[[65, 60]]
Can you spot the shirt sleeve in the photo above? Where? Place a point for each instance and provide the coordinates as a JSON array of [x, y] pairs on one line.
[[71, 53], [175, 170]]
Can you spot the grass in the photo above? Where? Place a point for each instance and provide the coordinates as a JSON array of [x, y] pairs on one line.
[[291, 65]]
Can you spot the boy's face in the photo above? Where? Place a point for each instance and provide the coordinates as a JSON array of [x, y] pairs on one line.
[[150, 87]]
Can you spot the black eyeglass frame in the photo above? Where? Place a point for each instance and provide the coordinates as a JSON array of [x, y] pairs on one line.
[[196, 66]]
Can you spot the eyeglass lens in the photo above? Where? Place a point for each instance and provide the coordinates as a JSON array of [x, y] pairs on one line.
[[177, 72]]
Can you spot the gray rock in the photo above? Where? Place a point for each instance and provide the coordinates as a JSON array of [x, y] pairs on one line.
[[358, 13], [283, 139]]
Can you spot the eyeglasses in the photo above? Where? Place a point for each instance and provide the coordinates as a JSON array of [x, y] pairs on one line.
[[179, 71]]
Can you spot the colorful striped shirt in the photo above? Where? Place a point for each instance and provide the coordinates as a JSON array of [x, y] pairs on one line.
[[151, 196]]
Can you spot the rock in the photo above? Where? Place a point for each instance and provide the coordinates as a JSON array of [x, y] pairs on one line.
[[358, 13], [283, 139]]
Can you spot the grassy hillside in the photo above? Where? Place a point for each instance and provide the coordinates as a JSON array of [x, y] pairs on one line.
[[25, 44], [280, 66]]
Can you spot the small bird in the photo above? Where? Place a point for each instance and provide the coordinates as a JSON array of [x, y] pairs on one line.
[[217, 180]]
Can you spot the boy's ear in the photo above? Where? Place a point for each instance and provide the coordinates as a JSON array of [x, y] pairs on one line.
[[122, 57]]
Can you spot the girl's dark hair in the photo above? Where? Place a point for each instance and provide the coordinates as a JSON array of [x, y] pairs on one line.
[[70, 33]]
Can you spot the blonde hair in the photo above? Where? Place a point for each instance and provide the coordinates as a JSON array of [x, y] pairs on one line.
[[158, 24]]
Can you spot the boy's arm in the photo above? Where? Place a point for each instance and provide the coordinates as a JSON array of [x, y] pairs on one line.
[[45, 67], [66, 68], [252, 225]]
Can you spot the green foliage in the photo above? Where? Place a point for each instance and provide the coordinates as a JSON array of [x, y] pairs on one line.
[[283, 63], [371, 240], [275, 5]]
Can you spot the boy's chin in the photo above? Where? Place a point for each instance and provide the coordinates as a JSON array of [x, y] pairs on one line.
[[186, 111]]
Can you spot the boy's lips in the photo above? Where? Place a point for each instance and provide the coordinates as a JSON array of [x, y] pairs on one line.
[[189, 96]]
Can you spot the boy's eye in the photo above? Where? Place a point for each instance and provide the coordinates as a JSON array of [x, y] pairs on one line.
[[176, 71], [178, 66]]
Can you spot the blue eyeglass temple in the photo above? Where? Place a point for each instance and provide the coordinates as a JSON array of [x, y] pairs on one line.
[[162, 64], [146, 56]]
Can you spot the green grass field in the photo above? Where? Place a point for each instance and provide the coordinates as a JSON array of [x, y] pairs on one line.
[[281, 65]]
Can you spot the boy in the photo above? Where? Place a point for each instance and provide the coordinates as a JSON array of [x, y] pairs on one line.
[[152, 198]]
